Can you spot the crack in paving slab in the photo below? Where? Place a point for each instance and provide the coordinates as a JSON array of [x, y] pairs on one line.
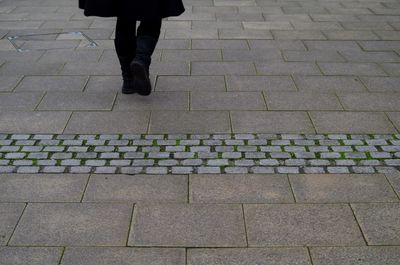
[[199, 153]]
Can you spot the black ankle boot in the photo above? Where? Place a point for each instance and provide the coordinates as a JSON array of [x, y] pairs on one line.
[[145, 46], [127, 86]]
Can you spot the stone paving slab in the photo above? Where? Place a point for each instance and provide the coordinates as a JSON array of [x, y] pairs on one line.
[[137, 188], [248, 256], [342, 188], [302, 225], [355, 255], [66, 224], [33, 122], [379, 222], [9, 216], [122, 256], [191, 225], [239, 189], [30, 255], [42, 188]]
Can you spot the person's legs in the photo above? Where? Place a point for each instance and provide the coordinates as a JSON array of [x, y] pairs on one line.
[[146, 42], [125, 46]]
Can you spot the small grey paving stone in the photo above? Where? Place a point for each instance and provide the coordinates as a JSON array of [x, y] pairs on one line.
[[109, 155], [90, 155], [15, 155], [9, 148], [217, 162], [30, 255], [143, 162], [231, 155], [80, 169], [168, 162], [288, 170], [42, 188], [104, 148], [28, 169], [9, 216], [77, 149], [157, 170], [226, 148], [239, 189], [61, 156], [53, 149], [314, 170], [7, 169], [105, 170], [22, 162], [257, 256], [73, 224], [4, 162], [380, 223], [269, 162], [123, 255], [371, 255], [71, 162], [301, 225], [95, 163], [363, 170], [332, 188], [121, 162], [182, 170], [42, 155], [392, 162], [236, 170], [345, 162], [139, 188], [53, 169], [208, 170], [338, 170], [179, 224], [192, 162], [134, 155]]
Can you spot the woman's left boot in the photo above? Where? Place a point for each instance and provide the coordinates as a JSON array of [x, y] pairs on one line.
[[145, 46], [127, 86]]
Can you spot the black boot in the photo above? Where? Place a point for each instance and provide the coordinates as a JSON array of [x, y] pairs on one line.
[[127, 86], [145, 46]]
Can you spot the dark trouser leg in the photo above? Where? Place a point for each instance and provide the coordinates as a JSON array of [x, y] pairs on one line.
[[146, 41], [125, 46], [147, 38]]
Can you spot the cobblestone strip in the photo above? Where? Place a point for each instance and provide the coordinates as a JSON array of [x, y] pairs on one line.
[[199, 153]]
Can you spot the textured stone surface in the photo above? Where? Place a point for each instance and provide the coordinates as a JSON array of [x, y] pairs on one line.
[[355, 255], [30, 255], [301, 224], [9, 216], [58, 224], [108, 188], [122, 256], [239, 189], [248, 256], [342, 188], [194, 225], [42, 188], [379, 222]]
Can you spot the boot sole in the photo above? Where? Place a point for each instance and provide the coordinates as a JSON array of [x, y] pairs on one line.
[[141, 81], [128, 91]]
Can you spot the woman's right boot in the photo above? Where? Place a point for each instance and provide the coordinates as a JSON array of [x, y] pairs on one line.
[[145, 46]]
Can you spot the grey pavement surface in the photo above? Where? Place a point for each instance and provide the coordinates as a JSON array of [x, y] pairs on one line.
[[200, 219], [246, 88], [224, 66]]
